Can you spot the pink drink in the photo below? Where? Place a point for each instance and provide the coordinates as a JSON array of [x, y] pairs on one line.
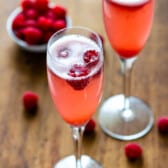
[[128, 24], [75, 86]]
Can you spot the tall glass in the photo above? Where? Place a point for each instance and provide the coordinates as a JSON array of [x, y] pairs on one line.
[[128, 24], [75, 78]]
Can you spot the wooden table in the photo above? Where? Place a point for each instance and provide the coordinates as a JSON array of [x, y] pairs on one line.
[[41, 140]]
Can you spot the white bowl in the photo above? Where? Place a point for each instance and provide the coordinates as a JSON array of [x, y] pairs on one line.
[[21, 43]]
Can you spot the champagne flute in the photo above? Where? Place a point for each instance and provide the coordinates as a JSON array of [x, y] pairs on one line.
[[75, 78], [128, 24]]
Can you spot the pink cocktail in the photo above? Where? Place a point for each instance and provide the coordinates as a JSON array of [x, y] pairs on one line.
[[128, 24], [75, 78], [76, 97]]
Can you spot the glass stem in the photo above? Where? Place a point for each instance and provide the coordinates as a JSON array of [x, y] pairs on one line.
[[78, 136], [126, 68]]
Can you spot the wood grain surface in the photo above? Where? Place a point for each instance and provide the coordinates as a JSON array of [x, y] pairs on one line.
[[41, 140]]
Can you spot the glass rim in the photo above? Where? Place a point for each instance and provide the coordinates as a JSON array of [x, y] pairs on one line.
[[99, 44]]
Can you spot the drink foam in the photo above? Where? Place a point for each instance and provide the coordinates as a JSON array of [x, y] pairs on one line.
[[130, 2], [75, 45]]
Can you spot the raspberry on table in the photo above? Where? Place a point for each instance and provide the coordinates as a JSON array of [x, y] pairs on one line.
[[133, 151], [90, 126], [30, 100], [162, 124]]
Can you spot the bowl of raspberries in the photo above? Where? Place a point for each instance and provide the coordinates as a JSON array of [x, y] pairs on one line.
[[32, 23]]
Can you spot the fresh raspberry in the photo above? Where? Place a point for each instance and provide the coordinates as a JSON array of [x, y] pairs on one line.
[[18, 21], [78, 71], [19, 33], [59, 24], [133, 151], [162, 124], [32, 35], [41, 5], [30, 14], [30, 23], [30, 100], [90, 126], [46, 36], [38, 21], [50, 14], [59, 11], [78, 84], [91, 57], [26, 4], [44, 23]]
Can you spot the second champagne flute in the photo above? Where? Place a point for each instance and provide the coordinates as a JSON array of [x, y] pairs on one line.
[[128, 24], [75, 77]]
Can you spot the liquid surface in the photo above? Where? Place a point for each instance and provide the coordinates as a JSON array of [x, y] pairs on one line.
[[130, 2], [68, 51]]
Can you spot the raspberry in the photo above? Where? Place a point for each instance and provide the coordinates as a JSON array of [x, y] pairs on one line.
[[38, 21], [30, 23], [19, 34], [32, 35], [44, 23], [90, 126], [50, 14], [162, 124], [26, 4], [46, 36], [30, 14], [133, 151], [30, 100], [41, 5], [78, 71], [18, 21], [91, 57], [78, 84], [59, 11], [59, 24]]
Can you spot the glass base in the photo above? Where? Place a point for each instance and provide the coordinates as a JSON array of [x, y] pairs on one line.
[[69, 161], [127, 124]]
